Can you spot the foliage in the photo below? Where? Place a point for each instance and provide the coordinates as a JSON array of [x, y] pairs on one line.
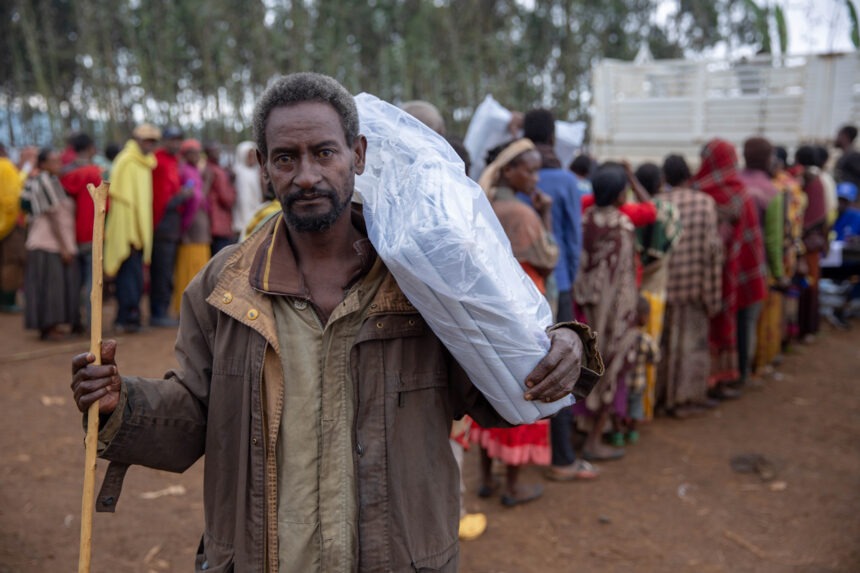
[[101, 64], [855, 26]]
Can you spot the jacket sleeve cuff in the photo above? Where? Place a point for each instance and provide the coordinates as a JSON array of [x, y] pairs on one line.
[[109, 425], [592, 363]]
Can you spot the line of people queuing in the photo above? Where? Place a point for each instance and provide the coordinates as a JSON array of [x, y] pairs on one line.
[[171, 207], [695, 281]]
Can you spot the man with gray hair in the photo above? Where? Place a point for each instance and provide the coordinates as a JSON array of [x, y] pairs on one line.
[[426, 113], [318, 394]]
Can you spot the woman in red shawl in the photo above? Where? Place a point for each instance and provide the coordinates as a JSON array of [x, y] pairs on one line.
[[814, 238], [744, 270]]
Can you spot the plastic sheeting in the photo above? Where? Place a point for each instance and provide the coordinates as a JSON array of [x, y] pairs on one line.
[[437, 234]]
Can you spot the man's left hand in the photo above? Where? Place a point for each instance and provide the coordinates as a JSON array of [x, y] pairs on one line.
[[555, 375]]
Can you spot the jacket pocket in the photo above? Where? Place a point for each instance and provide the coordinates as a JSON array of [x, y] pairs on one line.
[[408, 393], [213, 557], [445, 562], [414, 381]]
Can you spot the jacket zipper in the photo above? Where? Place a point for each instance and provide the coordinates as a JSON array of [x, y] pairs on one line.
[[265, 437]]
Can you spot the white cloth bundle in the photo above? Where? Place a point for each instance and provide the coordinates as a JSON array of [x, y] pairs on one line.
[[489, 128], [438, 235], [568, 140]]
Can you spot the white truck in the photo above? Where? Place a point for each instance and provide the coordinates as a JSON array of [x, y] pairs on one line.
[[644, 111]]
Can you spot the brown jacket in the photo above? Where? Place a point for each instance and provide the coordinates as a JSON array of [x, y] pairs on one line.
[[409, 390]]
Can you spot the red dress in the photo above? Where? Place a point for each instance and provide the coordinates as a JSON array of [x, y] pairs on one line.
[[520, 445]]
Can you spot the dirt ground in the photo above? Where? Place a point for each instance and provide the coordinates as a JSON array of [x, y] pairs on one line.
[[673, 504]]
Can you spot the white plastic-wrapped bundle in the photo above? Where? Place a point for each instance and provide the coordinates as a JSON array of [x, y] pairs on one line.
[[437, 234]]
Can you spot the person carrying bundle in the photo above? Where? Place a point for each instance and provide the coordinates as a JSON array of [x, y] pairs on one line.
[[321, 399]]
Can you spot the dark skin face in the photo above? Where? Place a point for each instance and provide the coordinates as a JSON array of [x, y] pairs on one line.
[[192, 156], [172, 145], [311, 167], [522, 174], [52, 164], [213, 154], [147, 146], [90, 152]]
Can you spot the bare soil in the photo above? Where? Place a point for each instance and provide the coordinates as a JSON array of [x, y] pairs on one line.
[[673, 504]]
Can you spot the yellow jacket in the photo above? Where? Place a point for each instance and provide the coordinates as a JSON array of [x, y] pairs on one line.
[[263, 214], [129, 223], [10, 196]]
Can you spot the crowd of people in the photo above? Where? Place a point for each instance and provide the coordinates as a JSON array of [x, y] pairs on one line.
[[322, 402], [695, 281], [173, 203]]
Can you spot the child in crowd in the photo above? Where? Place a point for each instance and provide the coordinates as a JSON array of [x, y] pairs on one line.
[[647, 352]]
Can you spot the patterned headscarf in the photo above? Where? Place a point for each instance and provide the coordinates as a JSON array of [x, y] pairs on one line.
[[718, 175]]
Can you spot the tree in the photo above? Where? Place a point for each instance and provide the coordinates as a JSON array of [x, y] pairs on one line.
[[101, 65]]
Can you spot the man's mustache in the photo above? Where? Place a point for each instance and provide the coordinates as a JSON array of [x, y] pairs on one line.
[[312, 193]]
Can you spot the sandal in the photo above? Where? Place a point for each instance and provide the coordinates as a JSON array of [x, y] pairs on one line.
[[526, 493], [578, 470], [607, 455]]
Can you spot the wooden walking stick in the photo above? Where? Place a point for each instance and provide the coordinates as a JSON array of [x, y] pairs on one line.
[[99, 195]]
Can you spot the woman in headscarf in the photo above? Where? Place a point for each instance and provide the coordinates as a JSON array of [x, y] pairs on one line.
[[605, 292], [793, 249], [195, 244], [52, 283], [515, 169], [758, 177], [815, 241], [694, 295], [249, 193], [654, 244], [744, 272]]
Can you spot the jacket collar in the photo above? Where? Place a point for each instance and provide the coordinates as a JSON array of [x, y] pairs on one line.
[[237, 291], [233, 295], [274, 269]]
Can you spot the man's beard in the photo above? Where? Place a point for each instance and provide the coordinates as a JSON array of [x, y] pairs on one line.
[[314, 222]]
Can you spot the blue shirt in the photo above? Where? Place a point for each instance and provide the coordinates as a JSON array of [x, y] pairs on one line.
[[847, 225], [584, 185], [562, 186]]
